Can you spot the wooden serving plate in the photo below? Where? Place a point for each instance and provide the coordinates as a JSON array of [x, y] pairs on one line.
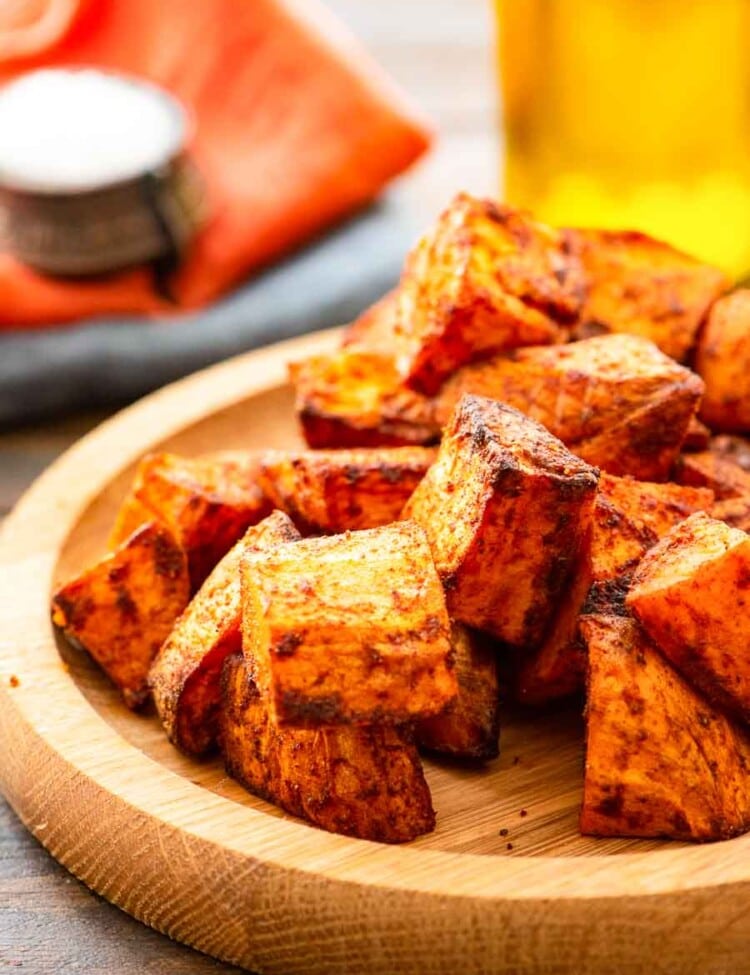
[[178, 845]]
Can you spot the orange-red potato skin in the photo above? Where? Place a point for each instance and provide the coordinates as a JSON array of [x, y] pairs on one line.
[[356, 398], [185, 676], [121, 609], [332, 491], [616, 401], [713, 470], [691, 594], [723, 360], [131, 515], [629, 517], [470, 726], [208, 502], [485, 278], [356, 780], [505, 507], [642, 286], [374, 329], [660, 760], [349, 628]]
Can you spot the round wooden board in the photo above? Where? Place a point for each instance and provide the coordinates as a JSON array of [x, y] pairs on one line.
[[184, 849]]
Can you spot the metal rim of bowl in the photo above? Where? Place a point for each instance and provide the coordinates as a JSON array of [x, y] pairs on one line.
[[182, 122]]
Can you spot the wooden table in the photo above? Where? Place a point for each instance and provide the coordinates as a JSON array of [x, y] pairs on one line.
[[441, 52]]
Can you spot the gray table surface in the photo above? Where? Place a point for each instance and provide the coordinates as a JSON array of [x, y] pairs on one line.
[[440, 51]]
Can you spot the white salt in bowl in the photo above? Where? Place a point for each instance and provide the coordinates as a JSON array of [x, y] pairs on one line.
[[94, 175]]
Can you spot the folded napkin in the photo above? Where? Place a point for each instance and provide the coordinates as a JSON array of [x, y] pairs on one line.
[[114, 360], [294, 128]]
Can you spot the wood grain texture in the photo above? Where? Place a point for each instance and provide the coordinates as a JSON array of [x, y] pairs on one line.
[[50, 922], [178, 845]]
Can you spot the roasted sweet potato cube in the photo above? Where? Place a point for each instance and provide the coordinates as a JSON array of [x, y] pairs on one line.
[[331, 491], [712, 470], [645, 287], [208, 502], [374, 329], [363, 781], [616, 401], [122, 608], [723, 360], [691, 593], [485, 278], [185, 676], [629, 517], [349, 628], [356, 398], [470, 726], [660, 760], [505, 507], [644, 444]]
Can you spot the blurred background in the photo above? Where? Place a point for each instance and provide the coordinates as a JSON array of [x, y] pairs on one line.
[[632, 114]]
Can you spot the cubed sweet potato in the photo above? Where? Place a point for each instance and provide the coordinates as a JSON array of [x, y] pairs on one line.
[[505, 507], [485, 278], [330, 491], [470, 726], [185, 676], [374, 329], [356, 398], [660, 760], [723, 360], [352, 779], [349, 628], [712, 470], [616, 401], [629, 517], [207, 502], [122, 608], [691, 593], [645, 287]]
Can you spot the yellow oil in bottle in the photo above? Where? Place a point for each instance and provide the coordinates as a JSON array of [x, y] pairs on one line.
[[631, 113]]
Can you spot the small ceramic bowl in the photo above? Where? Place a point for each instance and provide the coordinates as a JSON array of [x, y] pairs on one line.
[[98, 224]]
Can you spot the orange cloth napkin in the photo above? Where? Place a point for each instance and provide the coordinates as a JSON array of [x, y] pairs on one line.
[[295, 127]]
